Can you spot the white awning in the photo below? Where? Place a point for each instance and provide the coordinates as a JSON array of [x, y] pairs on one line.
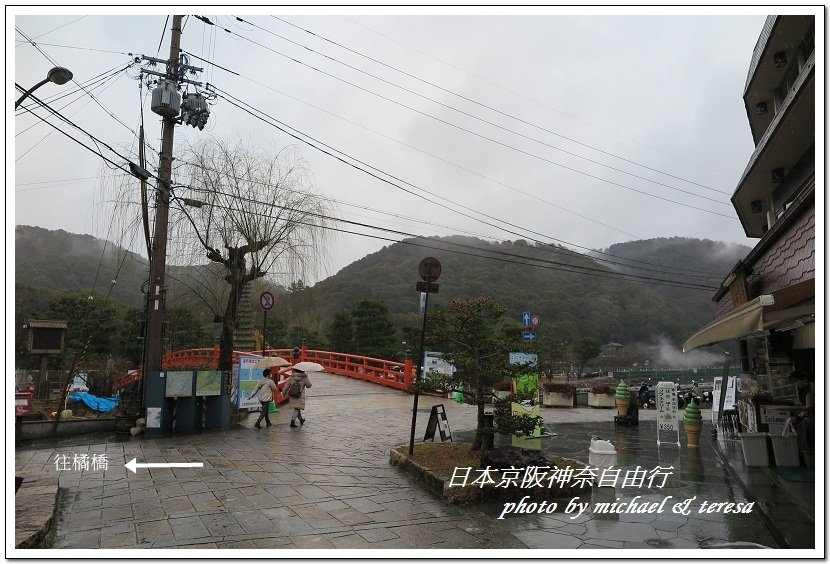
[[740, 322]]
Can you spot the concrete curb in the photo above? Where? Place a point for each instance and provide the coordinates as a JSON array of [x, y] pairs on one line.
[[422, 475], [36, 503]]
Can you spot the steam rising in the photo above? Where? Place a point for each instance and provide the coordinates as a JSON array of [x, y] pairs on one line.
[[671, 356]]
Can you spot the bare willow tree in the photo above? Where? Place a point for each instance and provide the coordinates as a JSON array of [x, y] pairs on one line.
[[248, 211]]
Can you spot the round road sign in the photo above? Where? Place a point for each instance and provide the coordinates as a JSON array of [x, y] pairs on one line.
[[429, 269], [534, 321], [266, 300]]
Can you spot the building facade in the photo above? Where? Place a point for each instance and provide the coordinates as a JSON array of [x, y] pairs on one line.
[[768, 300]]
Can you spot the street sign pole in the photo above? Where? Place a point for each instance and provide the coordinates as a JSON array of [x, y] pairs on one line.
[[266, 301], [429, 269], [418, 378], [264, 328]]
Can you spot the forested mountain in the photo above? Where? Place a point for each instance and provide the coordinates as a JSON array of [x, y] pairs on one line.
[[700, 260], [576, 304], [521, 276], [57, 260]]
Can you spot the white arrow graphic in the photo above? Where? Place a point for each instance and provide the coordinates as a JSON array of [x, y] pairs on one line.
[[132, 465]]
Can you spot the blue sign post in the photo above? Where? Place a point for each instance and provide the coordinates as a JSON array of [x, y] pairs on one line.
[[529, 335], [526, 319]]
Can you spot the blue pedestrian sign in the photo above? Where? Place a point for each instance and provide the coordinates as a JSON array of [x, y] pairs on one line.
[[526, 319], [529, 335]]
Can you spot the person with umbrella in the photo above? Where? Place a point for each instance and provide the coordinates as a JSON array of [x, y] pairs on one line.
[[296, 385], [266, 388]]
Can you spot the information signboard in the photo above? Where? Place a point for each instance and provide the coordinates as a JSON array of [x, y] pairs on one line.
[[179, 384], [667, 410], [208, 383], [731, 399], [434, 362], [438, 420], [248, 378]]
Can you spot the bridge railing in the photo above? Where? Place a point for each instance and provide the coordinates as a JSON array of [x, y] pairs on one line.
[[387, 373], [398, 375]]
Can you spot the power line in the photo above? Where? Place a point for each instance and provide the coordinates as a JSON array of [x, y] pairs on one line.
[[95, 139], [456, 165], [662, 268], [220, 92], [108, 51], [535, 101], [554, 265], [100, 84], [59, 27], [99, 78], [107, 110], [59, 183], [498, 111], [163, 32], [491, 139]]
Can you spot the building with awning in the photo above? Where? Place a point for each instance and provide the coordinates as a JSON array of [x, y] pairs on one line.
[[767, 301]]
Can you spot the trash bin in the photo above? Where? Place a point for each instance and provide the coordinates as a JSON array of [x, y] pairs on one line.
[[755, 449], [602, 454], [785, 449]]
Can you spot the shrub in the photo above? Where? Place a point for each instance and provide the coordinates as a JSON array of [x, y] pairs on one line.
[[603, 389], [559, 387]]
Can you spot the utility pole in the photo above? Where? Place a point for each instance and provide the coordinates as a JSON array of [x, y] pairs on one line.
[[158, 259]]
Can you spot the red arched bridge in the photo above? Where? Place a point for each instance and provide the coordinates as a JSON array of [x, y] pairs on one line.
[[398, 375]]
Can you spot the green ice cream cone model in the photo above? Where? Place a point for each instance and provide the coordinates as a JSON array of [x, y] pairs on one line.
[[622, 398], [692, 422]]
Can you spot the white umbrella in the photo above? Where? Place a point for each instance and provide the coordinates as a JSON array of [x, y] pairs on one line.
[[271, 361], [309, 367]]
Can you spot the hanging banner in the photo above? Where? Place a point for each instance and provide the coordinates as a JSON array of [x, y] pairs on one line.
[[667, 410]]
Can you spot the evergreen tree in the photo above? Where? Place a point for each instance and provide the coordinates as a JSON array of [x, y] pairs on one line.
[[340, 332], [477, 339], [374, 334], [585, 350]]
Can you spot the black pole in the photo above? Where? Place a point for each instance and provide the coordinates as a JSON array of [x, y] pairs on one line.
[[418, 378], [264, 327], [29, 91]]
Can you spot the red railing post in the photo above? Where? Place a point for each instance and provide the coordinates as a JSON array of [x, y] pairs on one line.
[[407, 369], [303, 349]]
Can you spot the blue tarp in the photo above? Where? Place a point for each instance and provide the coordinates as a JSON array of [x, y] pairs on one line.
[[104, 405]]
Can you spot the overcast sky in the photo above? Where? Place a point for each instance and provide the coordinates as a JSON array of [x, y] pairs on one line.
[[656, 96]]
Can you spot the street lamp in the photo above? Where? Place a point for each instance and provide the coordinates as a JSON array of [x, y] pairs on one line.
[[58, 75]]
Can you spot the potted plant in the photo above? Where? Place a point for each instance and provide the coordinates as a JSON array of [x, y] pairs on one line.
[[558, 394], [503, 389], [601, 395]]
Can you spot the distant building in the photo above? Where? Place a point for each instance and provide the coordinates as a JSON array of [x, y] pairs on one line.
[[768, 300]]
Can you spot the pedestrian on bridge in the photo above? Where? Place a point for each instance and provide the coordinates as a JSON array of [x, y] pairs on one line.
[[296, 385], [266, 388]]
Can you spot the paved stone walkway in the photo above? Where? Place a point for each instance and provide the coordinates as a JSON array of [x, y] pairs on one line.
[[329, 485]]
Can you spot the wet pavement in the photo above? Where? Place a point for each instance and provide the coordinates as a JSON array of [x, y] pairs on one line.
[[329, 485]]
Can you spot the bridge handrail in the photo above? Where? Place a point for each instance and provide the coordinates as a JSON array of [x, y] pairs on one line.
[[398, 375]]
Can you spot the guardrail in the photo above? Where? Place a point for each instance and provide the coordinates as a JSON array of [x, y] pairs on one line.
[[398, 375]]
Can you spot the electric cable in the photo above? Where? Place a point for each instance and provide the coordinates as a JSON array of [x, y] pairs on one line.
[[221, 93], [535, 101], [555, 265], [491, 139], [476, 102]]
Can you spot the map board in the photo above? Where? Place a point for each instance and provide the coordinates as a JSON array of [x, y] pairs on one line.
[[179, 384], [208, 383]]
